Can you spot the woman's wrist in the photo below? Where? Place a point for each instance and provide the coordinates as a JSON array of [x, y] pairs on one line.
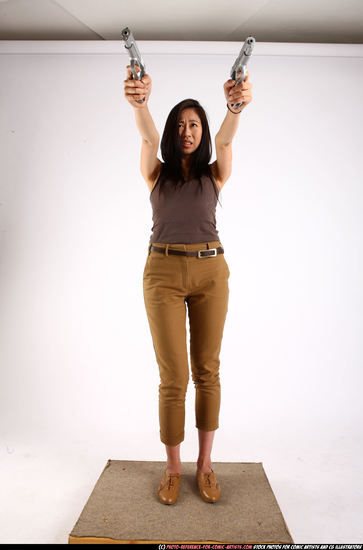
[[234, 112]]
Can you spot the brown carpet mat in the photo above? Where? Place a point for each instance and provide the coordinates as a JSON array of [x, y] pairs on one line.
[[124, 507]]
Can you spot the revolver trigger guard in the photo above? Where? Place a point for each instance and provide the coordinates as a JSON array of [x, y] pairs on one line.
[[135, 74], [241, 69]]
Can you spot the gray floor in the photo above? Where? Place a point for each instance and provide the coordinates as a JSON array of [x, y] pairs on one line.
[[317, 481]]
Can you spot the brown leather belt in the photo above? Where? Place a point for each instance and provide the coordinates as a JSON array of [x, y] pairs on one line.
[[205, 253]]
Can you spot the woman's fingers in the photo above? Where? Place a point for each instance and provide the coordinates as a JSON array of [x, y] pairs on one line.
[[236, 93], [136, 89]]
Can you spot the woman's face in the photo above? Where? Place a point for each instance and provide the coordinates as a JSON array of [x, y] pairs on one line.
[[190, 130]]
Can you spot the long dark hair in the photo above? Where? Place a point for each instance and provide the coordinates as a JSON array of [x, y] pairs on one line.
[[172, 153]]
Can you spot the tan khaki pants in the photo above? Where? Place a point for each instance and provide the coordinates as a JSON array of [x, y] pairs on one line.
[[170, 283]]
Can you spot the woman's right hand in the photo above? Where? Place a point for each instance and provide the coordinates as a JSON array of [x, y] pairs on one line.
[[137, 89]]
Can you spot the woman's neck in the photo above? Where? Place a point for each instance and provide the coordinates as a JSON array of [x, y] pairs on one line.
[[186, 169]]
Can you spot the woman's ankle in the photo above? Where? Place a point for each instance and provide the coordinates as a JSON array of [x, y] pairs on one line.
[[204, 462], [173, 468]]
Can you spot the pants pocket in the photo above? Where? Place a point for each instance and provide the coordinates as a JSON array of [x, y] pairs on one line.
[[146, 264], [225, 263]]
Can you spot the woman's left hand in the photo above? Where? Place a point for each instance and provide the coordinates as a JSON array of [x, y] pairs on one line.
[[241, 92]]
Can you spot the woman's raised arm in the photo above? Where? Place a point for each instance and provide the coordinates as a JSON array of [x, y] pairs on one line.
[[135, 90]]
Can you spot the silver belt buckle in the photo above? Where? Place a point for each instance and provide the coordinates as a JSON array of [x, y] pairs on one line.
[[200, 255]]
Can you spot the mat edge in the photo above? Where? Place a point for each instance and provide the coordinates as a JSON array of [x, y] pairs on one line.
[[104, 540]]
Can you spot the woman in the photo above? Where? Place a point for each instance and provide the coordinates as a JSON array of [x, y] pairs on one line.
[[186, 266]]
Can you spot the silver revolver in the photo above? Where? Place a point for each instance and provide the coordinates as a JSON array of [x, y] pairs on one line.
[[135, 57], [241, 64]]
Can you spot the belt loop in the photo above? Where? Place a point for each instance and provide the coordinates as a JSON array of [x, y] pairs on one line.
[[166, 250], [207, 246], [150, 245]]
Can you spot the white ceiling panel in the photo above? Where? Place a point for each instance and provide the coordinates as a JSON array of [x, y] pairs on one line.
[[313, 21], [330, 21], [41, 20], [164, 20]]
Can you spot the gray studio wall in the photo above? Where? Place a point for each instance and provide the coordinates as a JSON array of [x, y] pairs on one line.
[[77, 360]]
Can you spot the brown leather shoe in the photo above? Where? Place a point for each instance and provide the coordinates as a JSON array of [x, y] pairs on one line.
[[168, 490], [208, 486]]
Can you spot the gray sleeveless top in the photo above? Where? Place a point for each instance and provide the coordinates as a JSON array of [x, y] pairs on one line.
[[184, 213]]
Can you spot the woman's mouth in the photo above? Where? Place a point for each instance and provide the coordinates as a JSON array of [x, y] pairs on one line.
[[187, 144]]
